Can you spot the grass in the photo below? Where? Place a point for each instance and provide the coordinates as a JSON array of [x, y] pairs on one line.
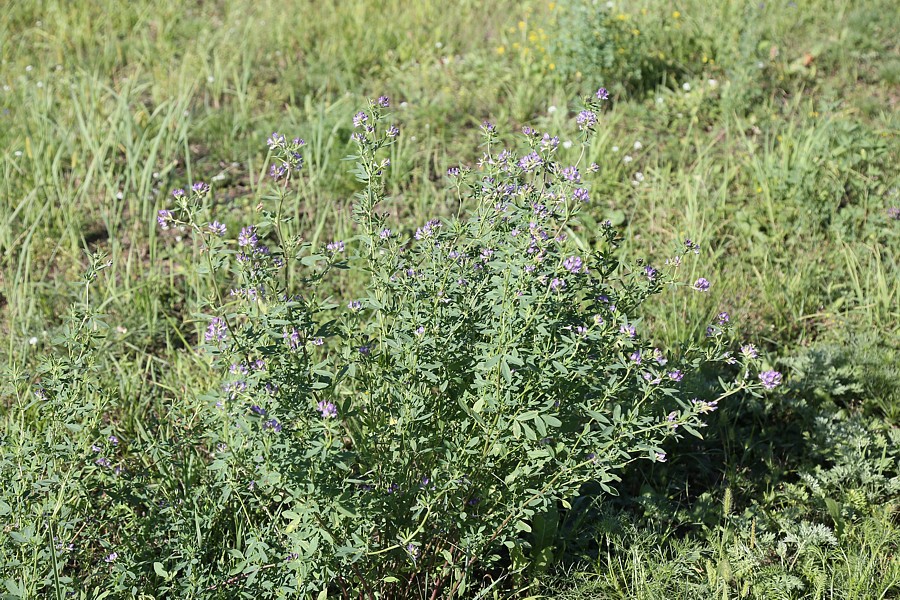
[[767, 133]]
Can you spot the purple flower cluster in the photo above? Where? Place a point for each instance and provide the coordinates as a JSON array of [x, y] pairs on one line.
[[602, 94], [581, 195], [428, 229], [360, 119], [574, 264], [163, 217], [770, 379], [586, 119], [530, 162], [217, 330], [335, 247], [894, 213], [702, 285], [247, 237], [326, 409], [572, 174], [217, 228]]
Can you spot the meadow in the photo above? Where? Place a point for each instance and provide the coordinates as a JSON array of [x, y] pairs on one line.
[[276, 382]]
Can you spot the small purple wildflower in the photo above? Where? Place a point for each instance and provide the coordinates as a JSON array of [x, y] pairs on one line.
[[701, 285], [354, 305], [360, 119], [549, 143], [178, 193], [581, 195], [326, 409], [163, 217], [383, 101], [749, 350], [103, 462], [258, 410], [650, 272], [705, 407], [722, 318], [385, 234], [487, 126], [574, 264], [217, 228], [671, 417], [676, 375], [393, 131], [334, 247], [628, 330], [586, 119], [248, 237], [200, 188], [275, 140], [602, 94], [272, 424], [661, 457], [453, 172], [365, 350], [894, 213], [217, 330], [292, 338], [111, 557], [556, 284], [572, 174], [113, 440], [530, 162], [770, 379], [636, 357], [420, 330]]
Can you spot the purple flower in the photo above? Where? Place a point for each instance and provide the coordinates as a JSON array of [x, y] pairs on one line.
[[360, 119], [217, 330], [650, 272], [701, 285], [549, 143], [354, 305], [200, 188], [636, 357], [723, 318], [178, 193], [163, 217], [628, 330], [272, 424], [113, 440], [275, 140], [385, 234], [217, 228], [530, 162], [770, 379], [556, 284], [894, 213], [420, 330], [247, 237], [586, 119], [602, 94], [258, 410], [292, 338], [393, 131], [660, 457], [103, 462], [581, 195], [383, 101], [453, 172], [749, 350], [676, 375], [572, 174], [428, 229], [487, 126], [111, 557], [487, 253], [326, 409], [703, 406], [335, 247], [574, 264], [671, 417]]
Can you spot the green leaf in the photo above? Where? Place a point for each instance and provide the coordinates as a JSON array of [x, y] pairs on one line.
[[158, 569]]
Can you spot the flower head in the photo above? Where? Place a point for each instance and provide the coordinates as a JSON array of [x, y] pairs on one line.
[[247, 237], [163, 217], [702, 285], [217, 330], [360, 119], [326, 409], [217, 228], [586, 119], [602, 94], [770, 379]]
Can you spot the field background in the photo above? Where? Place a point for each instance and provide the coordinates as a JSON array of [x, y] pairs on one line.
[[766, 131]]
